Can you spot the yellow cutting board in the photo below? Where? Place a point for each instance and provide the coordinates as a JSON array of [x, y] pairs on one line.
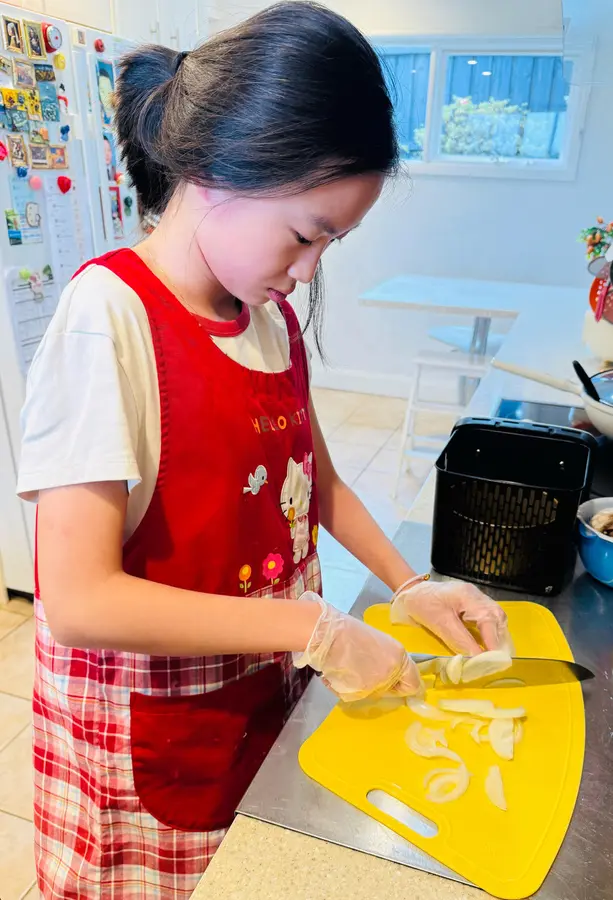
[[361, 747]]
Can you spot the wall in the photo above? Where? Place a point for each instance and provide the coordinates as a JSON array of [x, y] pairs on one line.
[[485, 228]]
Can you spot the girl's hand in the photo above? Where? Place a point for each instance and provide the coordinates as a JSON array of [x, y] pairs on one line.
[[355, 660], [442, 607]]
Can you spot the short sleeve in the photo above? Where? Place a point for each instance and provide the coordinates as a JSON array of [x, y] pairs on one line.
[[80, 419]]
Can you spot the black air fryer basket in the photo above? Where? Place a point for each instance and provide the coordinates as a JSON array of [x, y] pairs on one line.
[[507, 495]]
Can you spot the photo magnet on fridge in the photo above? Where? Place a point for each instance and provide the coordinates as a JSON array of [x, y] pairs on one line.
[[12, 34], [106, 86], [35, 45], [13, 227], [33, 106], [39, 155], [23, 74], [58, 156], [6, 65], [17, 150], [44, 72], [49, 102], [18, 119]]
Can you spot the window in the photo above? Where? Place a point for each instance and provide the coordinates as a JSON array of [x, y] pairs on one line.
[[509, 112], [408, 75], [504, 106]]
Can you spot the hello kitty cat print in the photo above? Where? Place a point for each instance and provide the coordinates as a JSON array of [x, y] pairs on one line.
[[295, 502]]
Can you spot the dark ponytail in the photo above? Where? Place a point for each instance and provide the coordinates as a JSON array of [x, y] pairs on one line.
[[290, 99]]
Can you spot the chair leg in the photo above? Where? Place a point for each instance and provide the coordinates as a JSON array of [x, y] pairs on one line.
[[406, 438]]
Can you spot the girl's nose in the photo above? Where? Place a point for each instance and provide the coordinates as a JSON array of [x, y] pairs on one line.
[[304, 267]]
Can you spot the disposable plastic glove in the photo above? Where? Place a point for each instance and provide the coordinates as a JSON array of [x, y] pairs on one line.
[[356, 660], [441, 607]]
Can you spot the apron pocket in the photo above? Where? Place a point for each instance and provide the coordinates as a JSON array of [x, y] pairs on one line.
[[193, 757]]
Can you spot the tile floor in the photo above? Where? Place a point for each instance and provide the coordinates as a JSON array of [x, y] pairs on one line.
[[363, 434]]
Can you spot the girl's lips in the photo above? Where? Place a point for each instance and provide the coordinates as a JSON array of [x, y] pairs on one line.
[[275, 296]]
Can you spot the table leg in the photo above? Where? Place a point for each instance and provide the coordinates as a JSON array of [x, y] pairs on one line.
[[478, 347]]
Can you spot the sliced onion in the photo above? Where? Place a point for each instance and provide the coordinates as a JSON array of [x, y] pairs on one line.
[[433, 773], [475, 732], [494, 788], [426, 710], [506, 683], [453, 669], [430, 666], [484, 664], [500, 733], [465, 720], [428, 743], [518, 731], [457, 780], [483, 708]]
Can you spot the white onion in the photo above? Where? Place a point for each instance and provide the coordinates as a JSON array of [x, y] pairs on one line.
[[453, 669], [426, 710], [494, 788], [483, 708], [457, 780], [500, 733], [428, 743], [484, 664], [518, 731]]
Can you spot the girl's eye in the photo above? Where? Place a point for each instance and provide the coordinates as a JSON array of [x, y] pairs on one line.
[[303, 240]]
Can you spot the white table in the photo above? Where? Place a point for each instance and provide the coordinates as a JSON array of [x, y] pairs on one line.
[[481, 300]]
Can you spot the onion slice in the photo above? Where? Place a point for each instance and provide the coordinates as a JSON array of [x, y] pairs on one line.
[[489, 663], [501, 735], [428, 743], [445, 785], [453, 669], [494, 788], [426, 710], [518, 730], [483, 708]]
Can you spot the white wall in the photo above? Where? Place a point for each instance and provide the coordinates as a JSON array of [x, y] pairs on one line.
[[524, 231], [431, 17]]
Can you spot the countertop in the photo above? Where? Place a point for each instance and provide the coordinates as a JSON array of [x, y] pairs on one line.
[[260, 859]]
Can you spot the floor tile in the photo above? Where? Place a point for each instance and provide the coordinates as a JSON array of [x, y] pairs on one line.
[[341, 587], [17, 872], [17, 662], [348, 473], [8, 621], [386, 460], [363, 434], [20, 605], [334, 404], [16, 777], [379, 412], [15, 714], [350, 453]]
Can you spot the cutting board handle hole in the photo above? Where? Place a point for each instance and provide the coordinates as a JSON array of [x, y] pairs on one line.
[[404, 814]]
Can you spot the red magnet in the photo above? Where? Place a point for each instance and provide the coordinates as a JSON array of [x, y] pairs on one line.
[[3, 151], [52, 37], [64, 183], [99, 45], [35, 182]]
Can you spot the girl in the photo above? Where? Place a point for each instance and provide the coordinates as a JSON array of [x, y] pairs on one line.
[[179, 469]]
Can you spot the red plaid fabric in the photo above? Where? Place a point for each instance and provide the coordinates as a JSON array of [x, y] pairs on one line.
[[94, 838]]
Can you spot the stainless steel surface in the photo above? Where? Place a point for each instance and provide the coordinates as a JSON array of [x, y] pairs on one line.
[[283, 795], [531, 670]]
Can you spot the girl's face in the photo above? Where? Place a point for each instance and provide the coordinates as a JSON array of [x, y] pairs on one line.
[[258, 249]]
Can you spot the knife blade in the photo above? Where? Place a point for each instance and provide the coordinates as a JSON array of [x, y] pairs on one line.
[[531, 670]]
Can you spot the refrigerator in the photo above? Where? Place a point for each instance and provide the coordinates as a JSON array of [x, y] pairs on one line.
[[63, 199]]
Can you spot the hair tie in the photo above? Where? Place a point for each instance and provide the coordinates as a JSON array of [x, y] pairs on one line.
[[180, 57]]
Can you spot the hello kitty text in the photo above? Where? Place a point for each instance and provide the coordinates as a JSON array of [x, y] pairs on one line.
[[262, 424]]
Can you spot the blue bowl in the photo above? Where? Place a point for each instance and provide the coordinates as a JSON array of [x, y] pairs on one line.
[[595, 549]]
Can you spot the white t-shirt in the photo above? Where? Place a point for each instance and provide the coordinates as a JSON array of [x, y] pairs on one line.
[[92, 409]]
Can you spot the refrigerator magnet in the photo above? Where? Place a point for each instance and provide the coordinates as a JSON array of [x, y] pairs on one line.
[[58, 156], [34, 40], [23, 74], [6, 65], [12, 34], [13, 226], [44, 72], [116, 214], [52, 37], [33, 106], [39, 156], [17, 150]]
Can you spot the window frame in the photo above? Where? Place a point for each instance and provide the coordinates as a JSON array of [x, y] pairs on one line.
[[433, 162]]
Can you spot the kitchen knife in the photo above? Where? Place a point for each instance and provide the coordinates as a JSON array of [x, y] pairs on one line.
[[531, 670]]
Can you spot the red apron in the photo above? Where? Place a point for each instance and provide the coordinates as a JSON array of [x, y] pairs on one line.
[[140, 761]]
